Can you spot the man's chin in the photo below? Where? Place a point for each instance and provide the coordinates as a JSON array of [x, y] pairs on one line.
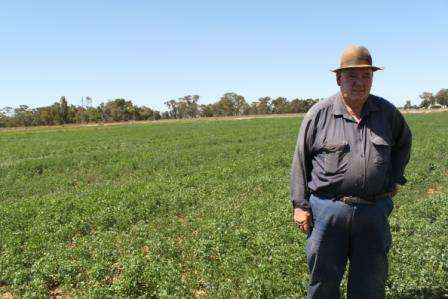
[[358, 97]]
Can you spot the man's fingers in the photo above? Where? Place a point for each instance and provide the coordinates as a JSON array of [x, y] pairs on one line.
[[304, 226], [303, 219], [301, 223]]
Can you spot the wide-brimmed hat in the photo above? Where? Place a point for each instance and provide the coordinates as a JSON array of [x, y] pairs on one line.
[[356, 57]]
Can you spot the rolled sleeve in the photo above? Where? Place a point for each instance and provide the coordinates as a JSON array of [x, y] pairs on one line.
[[301, 165], [401, 151]]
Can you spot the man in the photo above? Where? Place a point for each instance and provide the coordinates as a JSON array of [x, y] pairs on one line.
[[351, 153]]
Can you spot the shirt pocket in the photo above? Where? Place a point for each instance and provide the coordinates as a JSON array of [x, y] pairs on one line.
[[334, 157], [381, 149]]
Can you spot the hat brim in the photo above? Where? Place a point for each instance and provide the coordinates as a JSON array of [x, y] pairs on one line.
[[374, 68]]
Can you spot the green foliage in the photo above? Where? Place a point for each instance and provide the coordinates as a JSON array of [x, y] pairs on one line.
[[62, 113], [232, 104], [120, 110], [191, 208], [442, 96]]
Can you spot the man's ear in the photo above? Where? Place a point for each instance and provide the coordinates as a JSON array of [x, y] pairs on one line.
[[338, 78]]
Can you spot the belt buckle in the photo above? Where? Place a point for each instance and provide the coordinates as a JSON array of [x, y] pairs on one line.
[[355, 200], [349, 200]]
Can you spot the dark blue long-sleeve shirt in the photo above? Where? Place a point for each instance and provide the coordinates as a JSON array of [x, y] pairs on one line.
[[337, 156]]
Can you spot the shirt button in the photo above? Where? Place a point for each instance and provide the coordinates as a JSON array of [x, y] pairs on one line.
[[362, 155]]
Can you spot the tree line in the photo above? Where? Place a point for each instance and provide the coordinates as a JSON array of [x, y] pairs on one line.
[[430, 100], [62, 113], [118, 110], [232, 104]]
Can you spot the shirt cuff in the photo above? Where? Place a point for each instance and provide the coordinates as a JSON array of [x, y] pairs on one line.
[[302, 204], [401, 180]]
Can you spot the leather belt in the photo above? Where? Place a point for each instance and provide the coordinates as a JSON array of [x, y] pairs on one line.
[[355, 200]]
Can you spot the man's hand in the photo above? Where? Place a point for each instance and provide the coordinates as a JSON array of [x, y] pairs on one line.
[[303, 219]]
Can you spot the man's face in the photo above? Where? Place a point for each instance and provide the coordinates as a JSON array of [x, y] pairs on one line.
[[355, 84]]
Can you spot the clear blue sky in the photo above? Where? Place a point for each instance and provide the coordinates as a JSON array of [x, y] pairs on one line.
[[153, 51]]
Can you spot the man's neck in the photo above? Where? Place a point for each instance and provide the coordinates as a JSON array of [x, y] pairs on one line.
[[354, 109]]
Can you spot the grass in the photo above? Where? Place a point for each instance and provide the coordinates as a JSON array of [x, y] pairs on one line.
[[191, 209]]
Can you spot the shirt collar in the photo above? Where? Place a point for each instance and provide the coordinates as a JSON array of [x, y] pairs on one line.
[[339, 107], [370, 105]]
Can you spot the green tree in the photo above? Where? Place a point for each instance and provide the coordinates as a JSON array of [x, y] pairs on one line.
[[172, 109], [4, 119], [408, 105], [264, 105], [309, 103], [63, 110], [246, 109], [295, 106], [190, 105], [165, 115], [45, 115], [238, 103], [225, 106], [23, 116], [118, 110], [231, 104], [145, 113], [441, 97], [206, 110], [253, 108], [280, 105], [428, 99]]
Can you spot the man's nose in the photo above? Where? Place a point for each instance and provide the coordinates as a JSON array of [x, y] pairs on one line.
[[358, 81]]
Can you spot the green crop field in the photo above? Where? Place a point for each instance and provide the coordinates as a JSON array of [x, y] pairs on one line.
[[191, 209]]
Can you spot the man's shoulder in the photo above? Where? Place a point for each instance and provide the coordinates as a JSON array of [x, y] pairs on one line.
[[384, 105], [322, 106]]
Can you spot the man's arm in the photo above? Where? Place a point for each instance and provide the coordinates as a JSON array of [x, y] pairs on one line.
[[301, 166], [300, 174], [401, 150]]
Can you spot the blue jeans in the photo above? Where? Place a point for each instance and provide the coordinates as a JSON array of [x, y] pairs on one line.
[[341, 232]]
